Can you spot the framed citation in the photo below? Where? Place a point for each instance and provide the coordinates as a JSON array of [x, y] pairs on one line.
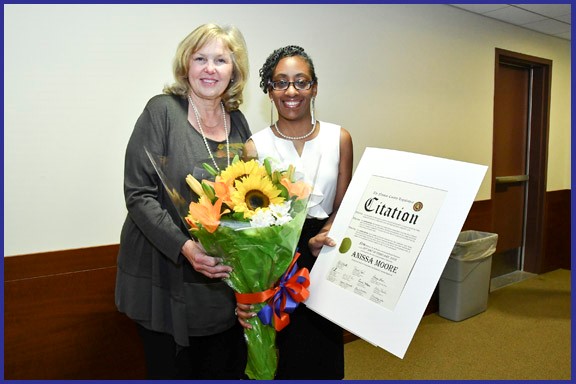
[[395, 230]]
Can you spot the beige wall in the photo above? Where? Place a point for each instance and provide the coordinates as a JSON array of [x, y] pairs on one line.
[[417, 78]]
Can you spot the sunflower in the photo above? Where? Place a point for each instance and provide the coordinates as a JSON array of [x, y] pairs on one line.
[[253, 192], [238, 169]]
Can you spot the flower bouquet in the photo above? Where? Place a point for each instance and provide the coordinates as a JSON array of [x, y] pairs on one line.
[[251, 216]]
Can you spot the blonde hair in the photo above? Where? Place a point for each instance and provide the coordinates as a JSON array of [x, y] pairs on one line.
[[233, 40]]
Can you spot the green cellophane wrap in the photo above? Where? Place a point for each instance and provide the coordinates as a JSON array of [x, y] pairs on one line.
[[259, 257]]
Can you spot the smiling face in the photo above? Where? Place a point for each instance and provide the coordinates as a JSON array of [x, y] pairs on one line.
[[293, 104], [210, 70]]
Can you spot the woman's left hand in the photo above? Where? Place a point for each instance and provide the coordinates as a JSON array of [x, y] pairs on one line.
[[244, 312], [209, 266]]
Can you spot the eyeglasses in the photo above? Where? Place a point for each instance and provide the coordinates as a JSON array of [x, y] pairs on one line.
[[282, 85]]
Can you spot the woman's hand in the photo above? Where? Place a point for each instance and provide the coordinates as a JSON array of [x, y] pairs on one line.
[[244, 312], [207, 265], [317, 242]]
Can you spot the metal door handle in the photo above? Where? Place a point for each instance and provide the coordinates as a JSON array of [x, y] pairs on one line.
[[511, 179]]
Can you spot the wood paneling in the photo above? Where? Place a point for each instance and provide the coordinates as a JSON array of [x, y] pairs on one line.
[[480, 217], [61, 322], [557, 242], [60, 319], [53, 263]]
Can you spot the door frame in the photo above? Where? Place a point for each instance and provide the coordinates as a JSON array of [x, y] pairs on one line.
[[537, 156]]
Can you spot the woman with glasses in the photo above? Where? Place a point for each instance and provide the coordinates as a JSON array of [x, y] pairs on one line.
[[310, 347]]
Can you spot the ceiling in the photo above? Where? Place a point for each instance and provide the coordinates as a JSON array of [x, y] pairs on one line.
[[550, 19]]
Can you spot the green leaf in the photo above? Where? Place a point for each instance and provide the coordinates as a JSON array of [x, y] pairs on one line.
[[268, 166], [210, 169], [283, 191], [209, 191]]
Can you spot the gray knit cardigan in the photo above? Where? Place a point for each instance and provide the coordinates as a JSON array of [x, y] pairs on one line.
[[155, 285]]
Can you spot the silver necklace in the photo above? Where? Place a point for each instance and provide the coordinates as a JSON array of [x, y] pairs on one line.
[[204, 136], [295, 137]]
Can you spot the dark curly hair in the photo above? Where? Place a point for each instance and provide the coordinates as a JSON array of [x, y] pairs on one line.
[[269, 66]]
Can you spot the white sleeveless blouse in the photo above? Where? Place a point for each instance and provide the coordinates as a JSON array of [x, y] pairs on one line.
[[324, 148]]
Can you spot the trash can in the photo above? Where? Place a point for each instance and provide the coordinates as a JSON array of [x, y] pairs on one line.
[[465, 282]]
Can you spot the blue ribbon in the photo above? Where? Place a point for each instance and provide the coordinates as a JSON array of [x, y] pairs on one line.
[[288, 293]]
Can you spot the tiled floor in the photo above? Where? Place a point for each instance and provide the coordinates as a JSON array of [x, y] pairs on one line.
[[508, 279]]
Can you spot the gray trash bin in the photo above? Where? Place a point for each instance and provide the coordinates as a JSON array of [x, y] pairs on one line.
[[465, 282]]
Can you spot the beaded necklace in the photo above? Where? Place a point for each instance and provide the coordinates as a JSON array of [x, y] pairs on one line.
[[204, 136], [295, 137]]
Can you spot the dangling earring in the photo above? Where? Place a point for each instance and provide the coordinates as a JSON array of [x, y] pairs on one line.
[[271, 112], [313, 121]]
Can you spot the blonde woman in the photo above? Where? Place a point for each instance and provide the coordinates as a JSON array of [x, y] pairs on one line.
[[166, 282]]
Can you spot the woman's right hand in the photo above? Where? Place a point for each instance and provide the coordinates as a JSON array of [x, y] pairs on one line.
[[244, 312], [209, 266], [317, 242]]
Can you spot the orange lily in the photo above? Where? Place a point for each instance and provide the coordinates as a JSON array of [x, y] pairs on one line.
[[300, 189], [206, 214], [223, 191]]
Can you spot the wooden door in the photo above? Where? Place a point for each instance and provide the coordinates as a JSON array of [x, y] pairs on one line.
[[509, 169], [521, 115]]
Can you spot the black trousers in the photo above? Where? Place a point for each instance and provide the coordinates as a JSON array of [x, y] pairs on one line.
[[310, 347], [215, 357]]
